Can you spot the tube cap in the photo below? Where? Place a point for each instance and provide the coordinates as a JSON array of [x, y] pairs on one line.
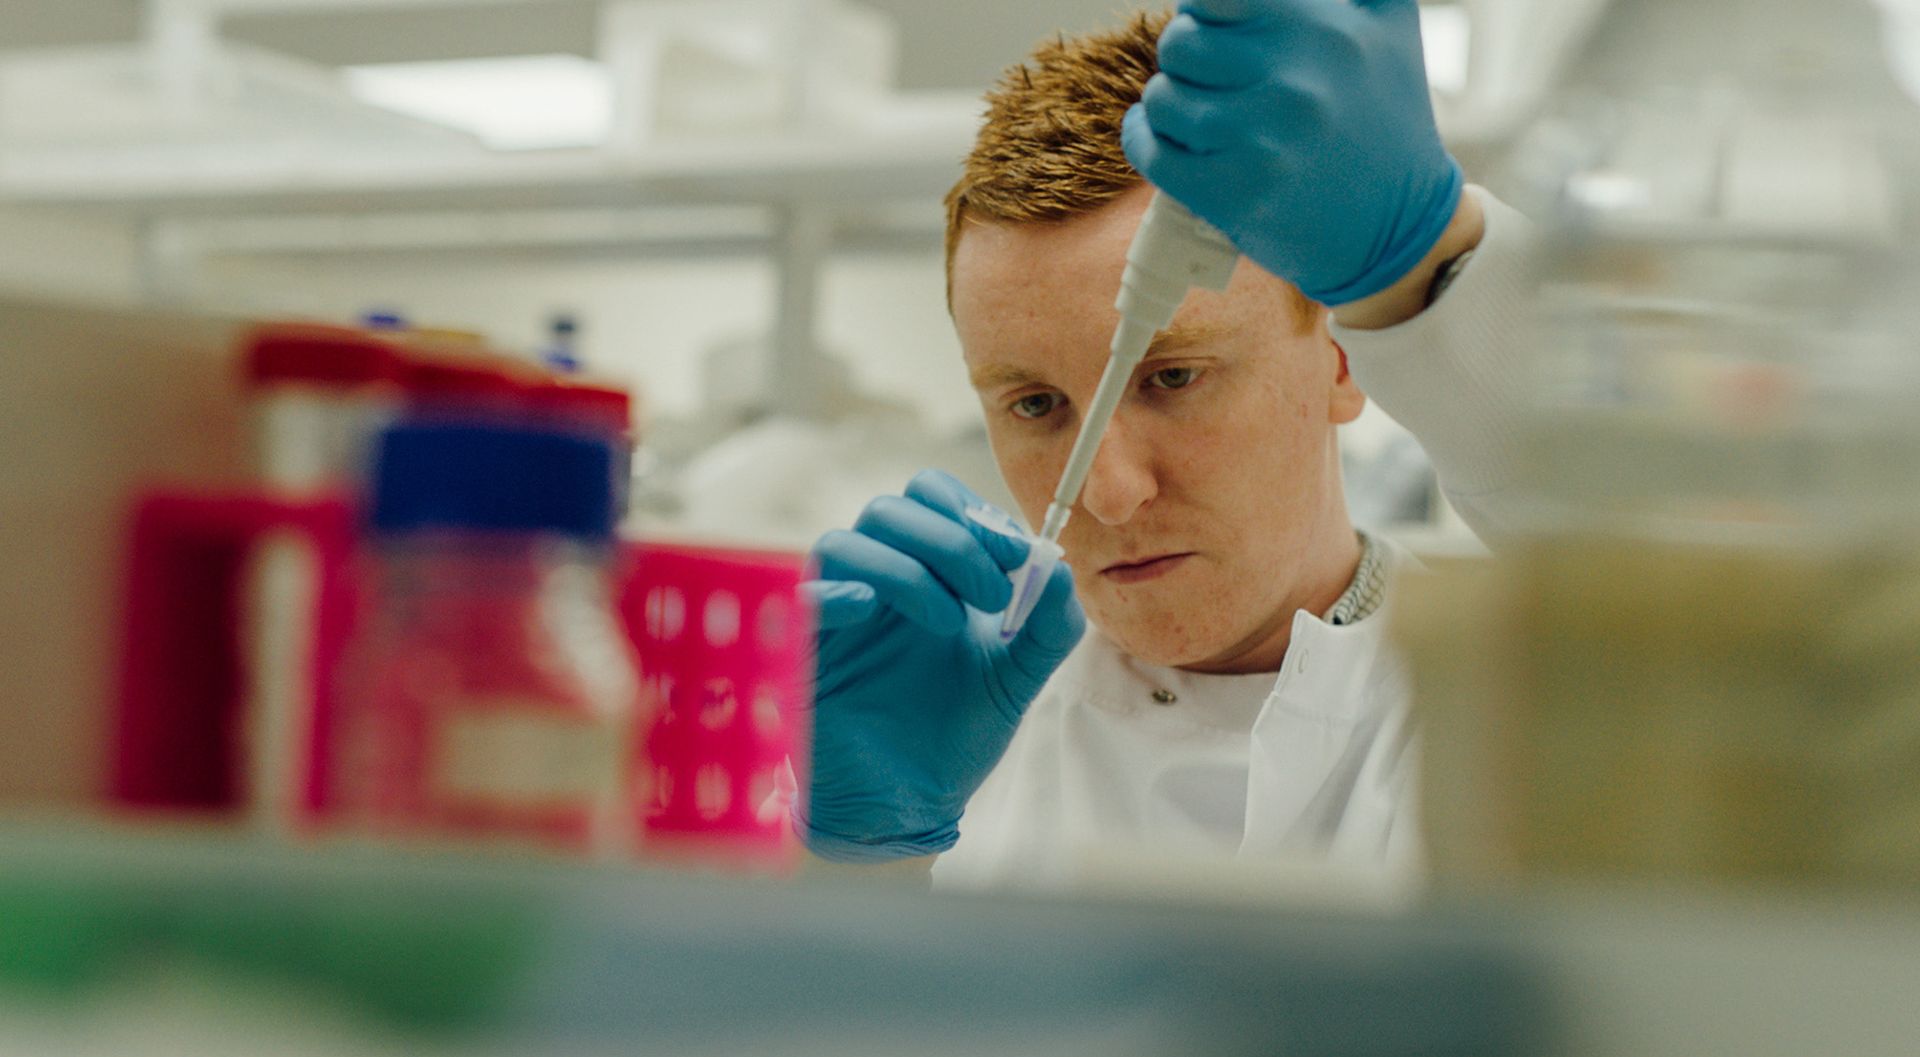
[[606, 408], [493, 477], [432, 381], [317, 354]]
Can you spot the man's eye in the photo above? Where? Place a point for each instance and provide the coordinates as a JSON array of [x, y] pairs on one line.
[[1039, 405], [1172, 378]]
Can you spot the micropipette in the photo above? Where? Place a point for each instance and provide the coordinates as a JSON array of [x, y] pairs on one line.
[[1172, 252]]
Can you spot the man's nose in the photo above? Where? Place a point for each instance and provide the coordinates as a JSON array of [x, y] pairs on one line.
[[1121, 482]]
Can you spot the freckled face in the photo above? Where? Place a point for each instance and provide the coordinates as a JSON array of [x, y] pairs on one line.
[[1214, 508]]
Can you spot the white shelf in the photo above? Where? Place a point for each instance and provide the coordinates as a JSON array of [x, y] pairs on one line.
[[766, 102], [785, 168]]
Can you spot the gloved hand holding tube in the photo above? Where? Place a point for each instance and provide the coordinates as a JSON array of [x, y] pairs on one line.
[[917, 695], [1304, 131]]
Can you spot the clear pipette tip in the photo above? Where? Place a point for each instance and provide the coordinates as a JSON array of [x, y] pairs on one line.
[[1056, 522]]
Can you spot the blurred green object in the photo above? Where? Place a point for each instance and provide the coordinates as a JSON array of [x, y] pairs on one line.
[[414, 966], [123, 940], [406, 958], [227, 942], [56, 938]]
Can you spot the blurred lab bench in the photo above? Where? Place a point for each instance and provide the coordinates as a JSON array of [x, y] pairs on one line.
[[115, 941]]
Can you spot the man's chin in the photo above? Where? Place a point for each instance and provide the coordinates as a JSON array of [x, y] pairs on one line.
[[1148, 641]]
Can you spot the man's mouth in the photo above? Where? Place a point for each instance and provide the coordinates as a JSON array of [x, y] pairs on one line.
[[1145, 569]]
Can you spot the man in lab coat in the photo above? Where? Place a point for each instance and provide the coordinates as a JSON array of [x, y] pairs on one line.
[[1234, 694]]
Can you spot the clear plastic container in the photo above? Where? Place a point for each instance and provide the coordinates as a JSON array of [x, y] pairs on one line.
[[496, 689], [1697, 659]]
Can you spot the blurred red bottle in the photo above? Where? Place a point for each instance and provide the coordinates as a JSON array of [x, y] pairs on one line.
[[496, 687]]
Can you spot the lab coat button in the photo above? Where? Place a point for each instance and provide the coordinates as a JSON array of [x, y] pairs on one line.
[[1164, 697]]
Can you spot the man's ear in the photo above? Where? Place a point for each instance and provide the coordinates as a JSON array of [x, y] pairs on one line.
[[1346, 399]]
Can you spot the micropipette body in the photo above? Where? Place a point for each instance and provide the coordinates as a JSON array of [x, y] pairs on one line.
[[1172, 252]]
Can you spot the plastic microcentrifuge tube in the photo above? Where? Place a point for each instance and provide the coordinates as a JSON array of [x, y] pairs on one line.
[[1030, 579]]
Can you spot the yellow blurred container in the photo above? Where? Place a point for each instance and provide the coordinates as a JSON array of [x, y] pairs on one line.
[[1599, 708]]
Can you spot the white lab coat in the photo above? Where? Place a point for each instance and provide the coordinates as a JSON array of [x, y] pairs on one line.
[[1116, 753], [1318, 763]]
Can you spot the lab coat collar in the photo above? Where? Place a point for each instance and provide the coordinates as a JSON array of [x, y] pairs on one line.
[[1330, 668]]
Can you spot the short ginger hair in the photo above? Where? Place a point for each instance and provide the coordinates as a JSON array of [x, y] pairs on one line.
[[1049, 147]]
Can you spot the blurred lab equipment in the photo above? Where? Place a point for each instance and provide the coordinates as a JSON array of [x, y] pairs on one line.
[[1697, 660], [494, 694], [575, 403], [236, 602], [725, 646], [320, 395], [462, 379], [606, 411], [462, 387], [235, 609], [562, 351], [910, 650], [494, 673]]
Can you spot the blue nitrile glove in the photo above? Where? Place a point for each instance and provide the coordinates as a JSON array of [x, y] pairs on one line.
[[1303, 130], [916, 697]]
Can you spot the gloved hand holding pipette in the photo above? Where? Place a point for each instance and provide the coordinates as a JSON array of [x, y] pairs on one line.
[[918, 694], [1305, 132]]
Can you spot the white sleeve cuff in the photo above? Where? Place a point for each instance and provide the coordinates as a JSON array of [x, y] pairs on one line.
[[1458, 375]]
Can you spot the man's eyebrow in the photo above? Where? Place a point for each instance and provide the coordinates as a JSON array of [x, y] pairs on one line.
[[1001, 375], [1168, 342], [1179, 338]]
